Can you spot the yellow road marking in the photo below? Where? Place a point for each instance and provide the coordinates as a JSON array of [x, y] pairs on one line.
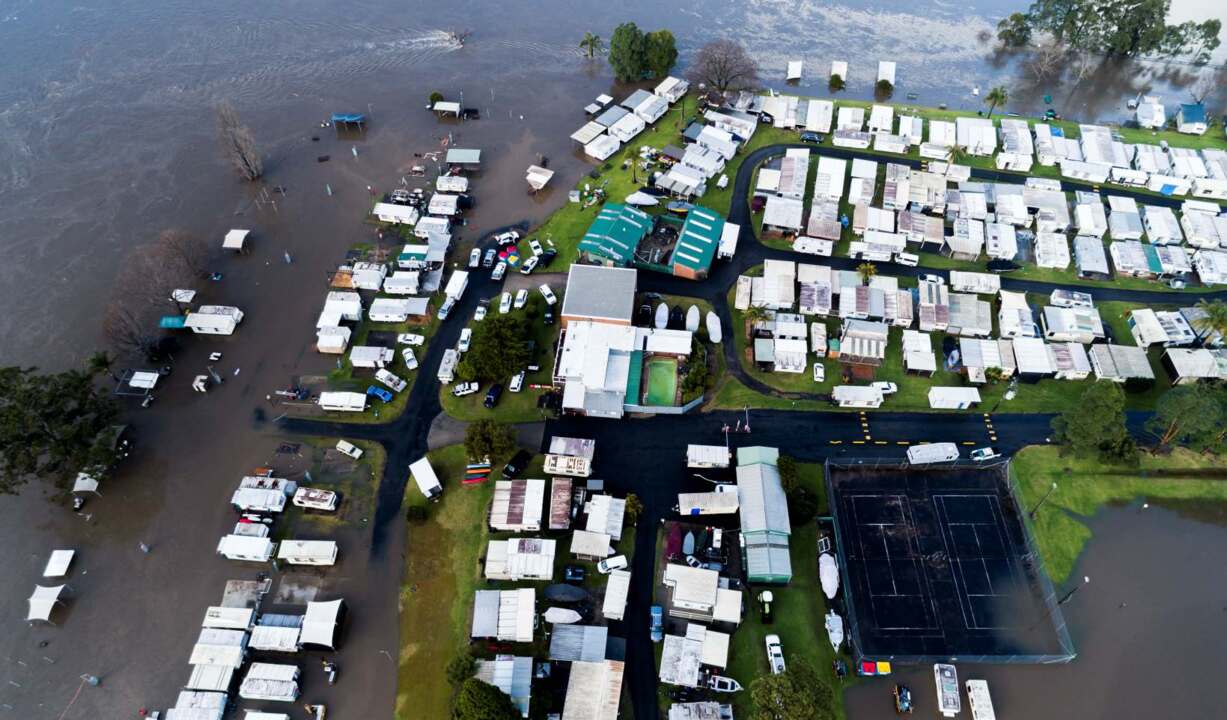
[[835, 442], [858, 442], [902, 442], [879, 442], [968, 442]]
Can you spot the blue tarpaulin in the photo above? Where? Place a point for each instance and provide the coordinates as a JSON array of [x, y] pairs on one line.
[[348, 118], [172, 322]]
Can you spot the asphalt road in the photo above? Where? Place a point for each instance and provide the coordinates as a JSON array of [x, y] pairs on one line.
[[630, 451]]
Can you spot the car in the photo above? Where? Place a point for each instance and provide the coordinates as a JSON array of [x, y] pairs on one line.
[[658, 623], [465, 388], [1177, 284], [548, 256], [521, 298], [488, 261], [411, 360], [475, 257], [547, 318], [714, 566], [811, 137], [504, 304], [392, 381], [529, 265], [887, 388], [446, 308], [410, 339], [346, 448], [535, 246], [775, 654], [693, 561], [376, 391], [480, 313], [984, 453], [548, 294], [765, 600], [758, 203], [1003, 266], [507, 238], [908, 259], [574, 573], [492, 396], [516, 465], [517, 382], [609, 564], [903, 700], [932, 278], [499, 271], [466, 339], [820, 371]]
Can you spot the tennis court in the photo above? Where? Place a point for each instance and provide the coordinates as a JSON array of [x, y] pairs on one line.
[[936, 565], [662, 381]]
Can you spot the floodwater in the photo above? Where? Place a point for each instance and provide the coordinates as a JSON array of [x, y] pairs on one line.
[[106, 137], [1147, 629]]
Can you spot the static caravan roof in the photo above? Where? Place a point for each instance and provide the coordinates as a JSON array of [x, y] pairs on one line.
[[764, 506], [560, 503], [1032, 357], [590, 544], [210, 677], [578, 643], [589, 132], [216, 646], [595, 292], [707, 503], [616, 590], [680, 660], [462, 156], [716, 456], [230, 618], [605, 515], [594, 690], [1120, 363], [517, 505]]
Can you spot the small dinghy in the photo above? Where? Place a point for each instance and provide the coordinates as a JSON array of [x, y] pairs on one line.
[[688, 543], [713, 328], [835, 629], [828, 573], [692, 318], [562, 616], [662, 316]]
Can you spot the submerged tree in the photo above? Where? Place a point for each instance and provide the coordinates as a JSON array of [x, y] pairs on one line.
[[660, 53], [143, 291], [628, 52], [1186, 415], [237, 143], [1213, 318], [592, 44], [724, 65]]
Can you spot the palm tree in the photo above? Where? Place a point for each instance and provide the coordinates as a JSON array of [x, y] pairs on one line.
[[867, 271], [1214, 319], [101, 362], [956, 155], [998, 96], [592, 44]]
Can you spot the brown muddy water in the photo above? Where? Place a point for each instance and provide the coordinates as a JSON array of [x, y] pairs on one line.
[[106, 137]]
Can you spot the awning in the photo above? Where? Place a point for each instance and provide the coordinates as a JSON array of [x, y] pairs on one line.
[[320, 623], [42, 602], [235, 239], [85, 483], [57, 566]]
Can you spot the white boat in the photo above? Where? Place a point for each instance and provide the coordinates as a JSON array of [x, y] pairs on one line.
[[835, 629], [562, 616], [662, 316], [688, 543], [828, 573], [719, 683], [713, 327], [692, 318], [949, 703], [641, 199]]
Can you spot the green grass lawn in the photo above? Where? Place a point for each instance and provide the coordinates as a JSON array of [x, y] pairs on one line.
[[354, 480], [799, 611], [1084, 485]]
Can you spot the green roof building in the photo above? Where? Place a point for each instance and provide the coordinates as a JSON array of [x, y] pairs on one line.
[[614, 234], [764, 516], [697, 243]]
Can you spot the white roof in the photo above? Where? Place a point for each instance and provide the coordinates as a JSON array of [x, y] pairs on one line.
[[217, 646], [590, 544], [406, 214], [692, 586], [517, 504], [57, 564], [840, 68], [1032, 356], [857, 393], [210, 677], [784, 212], [320, 622], [308, 550], [680, 660], [43, 600], [707, 455], [447, 106], [520, 559], [940, 396], [794, 69], [234, 239], [605, 514], [233, 618], [594, 690], [886, 71], [260, 715], [616, 590], [275, 638]]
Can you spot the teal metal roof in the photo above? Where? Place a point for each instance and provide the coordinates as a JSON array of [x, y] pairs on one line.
[[616, 232], [1152, 259], [700, 236], [757, 454]]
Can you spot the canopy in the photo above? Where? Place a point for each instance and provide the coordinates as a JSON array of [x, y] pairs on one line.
[[538, 177], [143, 379], [85, 483], [641, 199], [42, 601], [562, 616], [57, 566], [320, 623], [235, 239]]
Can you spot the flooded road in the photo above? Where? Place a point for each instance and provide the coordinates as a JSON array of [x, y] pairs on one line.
[[1147, 628]]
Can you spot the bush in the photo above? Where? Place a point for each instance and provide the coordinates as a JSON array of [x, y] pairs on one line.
[[802, 506], [788, 472], [435, 97], [488, 439], [884, 89], [415, 514], [461, 668], [836, 83]]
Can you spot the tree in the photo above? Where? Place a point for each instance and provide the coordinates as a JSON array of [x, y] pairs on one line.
[[836, 83], [883, 89], [1213, 320], [1186, 415], [592, 44], [956, 155], [787, 466], [1096, 425], [868, 271], [1015, 30], [628, 52], [488, 439], [101, 363], [461, 668], [237, 143], [435, 97], [802, 506], [661, 52], [997, 96], [477, 700], [724, 65], [993, 375], [53, 426], [143, 292], [798, 693], [499, 349], [634, 508], [185, 250]]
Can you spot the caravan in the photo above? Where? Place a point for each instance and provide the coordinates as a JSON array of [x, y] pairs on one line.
[[213, 320], [308, 552], [342, 401], [246, 548]]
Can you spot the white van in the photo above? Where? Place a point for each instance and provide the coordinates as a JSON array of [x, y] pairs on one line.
[[308, 552], [349, 449], [909, 259], [608, 565], [427, 481]]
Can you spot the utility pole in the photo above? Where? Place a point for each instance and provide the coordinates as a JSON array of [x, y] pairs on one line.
[[1035, 510]]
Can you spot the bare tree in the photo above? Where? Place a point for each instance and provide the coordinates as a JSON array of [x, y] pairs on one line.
[[237, 143], [724, 65], [185, 249], [128, 329], [142, 295], [1046, 59]]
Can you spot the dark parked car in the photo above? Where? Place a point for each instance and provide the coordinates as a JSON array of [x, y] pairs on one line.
[[547, 257], [811, 137], [644, 318], [757, 203], [1003, 266], [492, 395], [575, 573], [548, 317], [515, 466]]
